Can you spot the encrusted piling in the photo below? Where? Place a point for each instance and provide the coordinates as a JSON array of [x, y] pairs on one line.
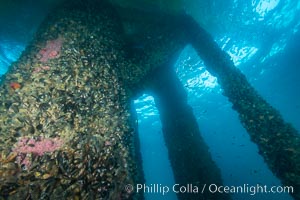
[[64, 113], [70, 93], [166, 34], [190, 158], [155, 42], [278, 142]]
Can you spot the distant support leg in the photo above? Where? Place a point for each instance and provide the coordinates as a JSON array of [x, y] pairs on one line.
[[190, 158], [278, 141]]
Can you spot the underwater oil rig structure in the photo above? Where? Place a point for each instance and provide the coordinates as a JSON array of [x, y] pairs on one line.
[[67, 127]]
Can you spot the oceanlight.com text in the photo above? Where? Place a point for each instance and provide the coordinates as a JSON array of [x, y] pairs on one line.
[[250, 189]]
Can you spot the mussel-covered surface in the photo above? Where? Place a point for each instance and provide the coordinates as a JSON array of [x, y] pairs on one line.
[[164, 35], [65, 130], [64, 119], [278, 141]]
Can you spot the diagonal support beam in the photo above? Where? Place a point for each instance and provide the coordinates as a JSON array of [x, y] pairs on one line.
[[278, 142]]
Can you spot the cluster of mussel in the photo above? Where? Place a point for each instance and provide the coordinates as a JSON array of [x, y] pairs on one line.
[[66, 87], [278, 141]]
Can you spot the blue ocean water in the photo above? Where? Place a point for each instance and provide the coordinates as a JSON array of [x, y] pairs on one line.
[[263, 39], [264, 44]]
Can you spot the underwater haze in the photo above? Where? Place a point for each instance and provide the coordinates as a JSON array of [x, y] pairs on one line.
[[264, 44], [263, 39]]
